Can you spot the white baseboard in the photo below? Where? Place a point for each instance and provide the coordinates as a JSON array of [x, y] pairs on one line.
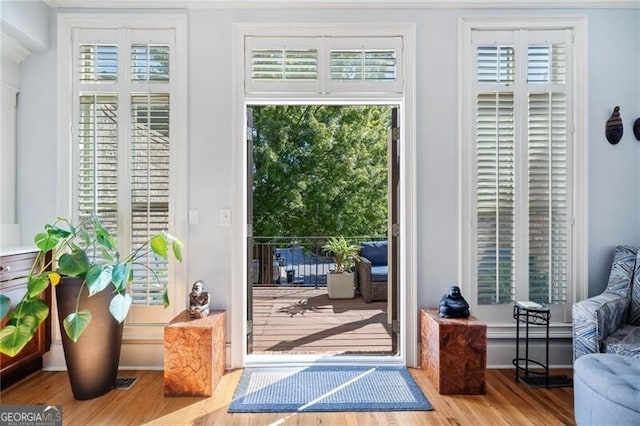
[[500, 354]]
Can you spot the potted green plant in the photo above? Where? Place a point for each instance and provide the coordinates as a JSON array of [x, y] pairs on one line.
[[340, 281], [91, 280]]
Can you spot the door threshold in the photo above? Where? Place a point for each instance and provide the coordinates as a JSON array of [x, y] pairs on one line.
[[254, 360]]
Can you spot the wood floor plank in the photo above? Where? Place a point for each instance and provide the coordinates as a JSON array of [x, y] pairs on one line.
[[505, 403]]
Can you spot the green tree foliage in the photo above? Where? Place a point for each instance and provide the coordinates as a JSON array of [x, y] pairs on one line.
[[320, 170]]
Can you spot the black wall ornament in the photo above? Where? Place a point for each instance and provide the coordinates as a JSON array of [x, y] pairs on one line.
[[636, 128], [613, 130]]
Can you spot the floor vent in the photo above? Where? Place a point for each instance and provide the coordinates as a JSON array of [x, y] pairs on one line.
[[125, 383]]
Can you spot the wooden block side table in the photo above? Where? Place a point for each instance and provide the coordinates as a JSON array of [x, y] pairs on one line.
[[453, 353], [194, 354]]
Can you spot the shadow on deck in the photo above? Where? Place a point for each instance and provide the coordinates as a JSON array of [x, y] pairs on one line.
[[301, 320]]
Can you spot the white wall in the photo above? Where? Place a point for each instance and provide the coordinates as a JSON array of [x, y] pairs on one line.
[[23, 29], [26, 21], [614, 207], [36, 128]]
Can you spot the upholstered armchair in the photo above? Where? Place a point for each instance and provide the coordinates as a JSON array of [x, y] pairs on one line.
[[610, 322], [372, 271]]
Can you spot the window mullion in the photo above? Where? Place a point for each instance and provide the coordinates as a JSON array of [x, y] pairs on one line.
[[124, 138], [521, 186]]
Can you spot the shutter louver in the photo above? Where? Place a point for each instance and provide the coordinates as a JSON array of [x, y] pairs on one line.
[[97, 190], [149, 62], [495, 191], [149, 190], [367, 65], [98, 63], [284, 64]]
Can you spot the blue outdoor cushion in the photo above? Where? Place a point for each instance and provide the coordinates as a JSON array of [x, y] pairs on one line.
[[379, 273], [375, 252]]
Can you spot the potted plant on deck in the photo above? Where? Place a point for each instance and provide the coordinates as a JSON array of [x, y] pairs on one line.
[[91, 280], [340, 281]]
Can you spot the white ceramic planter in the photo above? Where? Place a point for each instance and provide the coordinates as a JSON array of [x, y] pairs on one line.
[[340, 286]]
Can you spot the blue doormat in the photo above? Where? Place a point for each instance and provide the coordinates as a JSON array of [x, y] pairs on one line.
[[327, 388]]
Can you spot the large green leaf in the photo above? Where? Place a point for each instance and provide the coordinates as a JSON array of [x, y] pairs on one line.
[[120, 275], [5, 305], [104, 238], [159, 245], [31, 310], [74, 264], [37, 284], [75, 323], [98, 278], [59, 232], [45, 241], [14, 338], [177, 249], [165, 299], [119, 306]]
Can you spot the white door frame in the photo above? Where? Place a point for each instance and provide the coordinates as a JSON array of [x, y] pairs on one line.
[[236, 314]]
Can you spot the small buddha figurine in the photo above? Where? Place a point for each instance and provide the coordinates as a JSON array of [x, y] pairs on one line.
[[199, 300], [453, 305]]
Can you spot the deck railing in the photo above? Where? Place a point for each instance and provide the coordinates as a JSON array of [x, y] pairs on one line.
[[294, 261]]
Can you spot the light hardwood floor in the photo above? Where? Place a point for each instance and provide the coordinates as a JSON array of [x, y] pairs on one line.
[[505, 403]]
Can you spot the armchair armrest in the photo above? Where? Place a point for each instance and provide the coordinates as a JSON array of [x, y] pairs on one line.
[[363, 278], [594, 320]]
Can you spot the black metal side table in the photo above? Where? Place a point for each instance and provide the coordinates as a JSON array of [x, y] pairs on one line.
[[531, 315]]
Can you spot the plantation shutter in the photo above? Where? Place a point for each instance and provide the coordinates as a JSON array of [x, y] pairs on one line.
[[124, 136], [522, 168], [97, 74], [548, 169], [495, 193], [325, 65], [284, 64], [149, 190], [98, 159]]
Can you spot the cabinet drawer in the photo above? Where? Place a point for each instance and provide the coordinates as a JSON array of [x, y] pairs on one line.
[[16, 266], [14, 270]]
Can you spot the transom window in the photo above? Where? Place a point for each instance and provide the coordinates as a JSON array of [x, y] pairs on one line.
[[323, 65]]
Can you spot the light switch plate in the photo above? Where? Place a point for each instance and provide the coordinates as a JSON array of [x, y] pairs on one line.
[[225, 217], [194, 217]]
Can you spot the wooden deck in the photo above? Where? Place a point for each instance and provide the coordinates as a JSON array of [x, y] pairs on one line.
[[299, 320]]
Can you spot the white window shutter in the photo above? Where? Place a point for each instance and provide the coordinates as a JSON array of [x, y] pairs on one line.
[[124, 161], [150, 172], [323, 65], [495, 202], [97, 187], [522, 231]]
